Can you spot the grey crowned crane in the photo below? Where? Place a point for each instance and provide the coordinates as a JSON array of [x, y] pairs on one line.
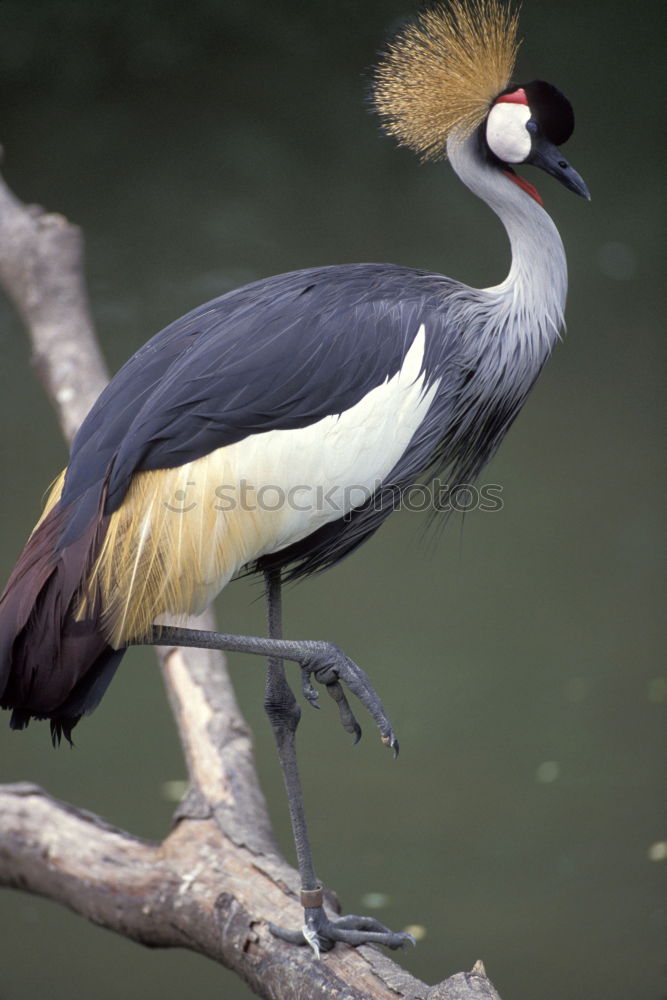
[[333, 389]]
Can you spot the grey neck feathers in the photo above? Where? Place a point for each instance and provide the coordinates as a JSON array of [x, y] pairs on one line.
[[527, 307]]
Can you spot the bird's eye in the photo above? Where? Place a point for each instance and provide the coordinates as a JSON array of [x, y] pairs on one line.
[[531, 125]]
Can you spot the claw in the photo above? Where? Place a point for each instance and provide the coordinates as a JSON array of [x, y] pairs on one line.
[[309, 692]]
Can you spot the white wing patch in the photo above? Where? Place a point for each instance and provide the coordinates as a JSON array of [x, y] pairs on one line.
[[335, 464], [182, 533]]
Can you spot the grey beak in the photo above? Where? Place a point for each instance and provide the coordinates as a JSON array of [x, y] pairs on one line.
[[548, 157]]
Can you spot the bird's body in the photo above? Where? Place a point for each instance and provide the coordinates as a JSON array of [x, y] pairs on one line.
[[274, 426], [272, 429]]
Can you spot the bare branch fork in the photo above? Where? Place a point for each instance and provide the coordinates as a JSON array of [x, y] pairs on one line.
[[217, 879]]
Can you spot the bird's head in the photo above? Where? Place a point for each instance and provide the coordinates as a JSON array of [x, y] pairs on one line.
[[447, 75], [527, 124]]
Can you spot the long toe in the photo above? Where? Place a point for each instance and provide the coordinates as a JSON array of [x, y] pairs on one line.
[[364, 930], [347, 719], [329, 665], [322, 933]]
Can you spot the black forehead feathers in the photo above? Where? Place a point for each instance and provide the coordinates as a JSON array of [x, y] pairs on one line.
[[551, 110]]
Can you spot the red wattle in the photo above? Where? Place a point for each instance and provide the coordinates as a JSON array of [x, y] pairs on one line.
[[525, 186], [516, 97]]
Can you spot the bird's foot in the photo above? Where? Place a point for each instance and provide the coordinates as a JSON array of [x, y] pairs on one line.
[[329, 665], [322, 933]]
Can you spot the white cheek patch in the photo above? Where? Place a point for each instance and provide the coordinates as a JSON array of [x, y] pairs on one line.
[[506, 132]]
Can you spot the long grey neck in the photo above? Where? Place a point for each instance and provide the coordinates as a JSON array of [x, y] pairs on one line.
[[532, 298]]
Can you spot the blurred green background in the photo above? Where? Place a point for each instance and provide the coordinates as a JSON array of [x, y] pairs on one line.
[[519, 654]]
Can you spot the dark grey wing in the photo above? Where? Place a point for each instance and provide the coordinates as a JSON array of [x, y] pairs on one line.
[[277, 354]]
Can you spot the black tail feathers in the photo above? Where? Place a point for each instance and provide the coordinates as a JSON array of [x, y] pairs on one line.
[[51, 665]]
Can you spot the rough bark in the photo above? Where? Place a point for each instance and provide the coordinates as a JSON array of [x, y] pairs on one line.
[[217, 879]]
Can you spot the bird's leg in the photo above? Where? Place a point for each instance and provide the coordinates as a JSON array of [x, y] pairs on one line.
[[284, 714], [318, 930], [329, 665], [323, 661]]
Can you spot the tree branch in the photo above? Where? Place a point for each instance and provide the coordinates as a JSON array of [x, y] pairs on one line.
[[217, 879]]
